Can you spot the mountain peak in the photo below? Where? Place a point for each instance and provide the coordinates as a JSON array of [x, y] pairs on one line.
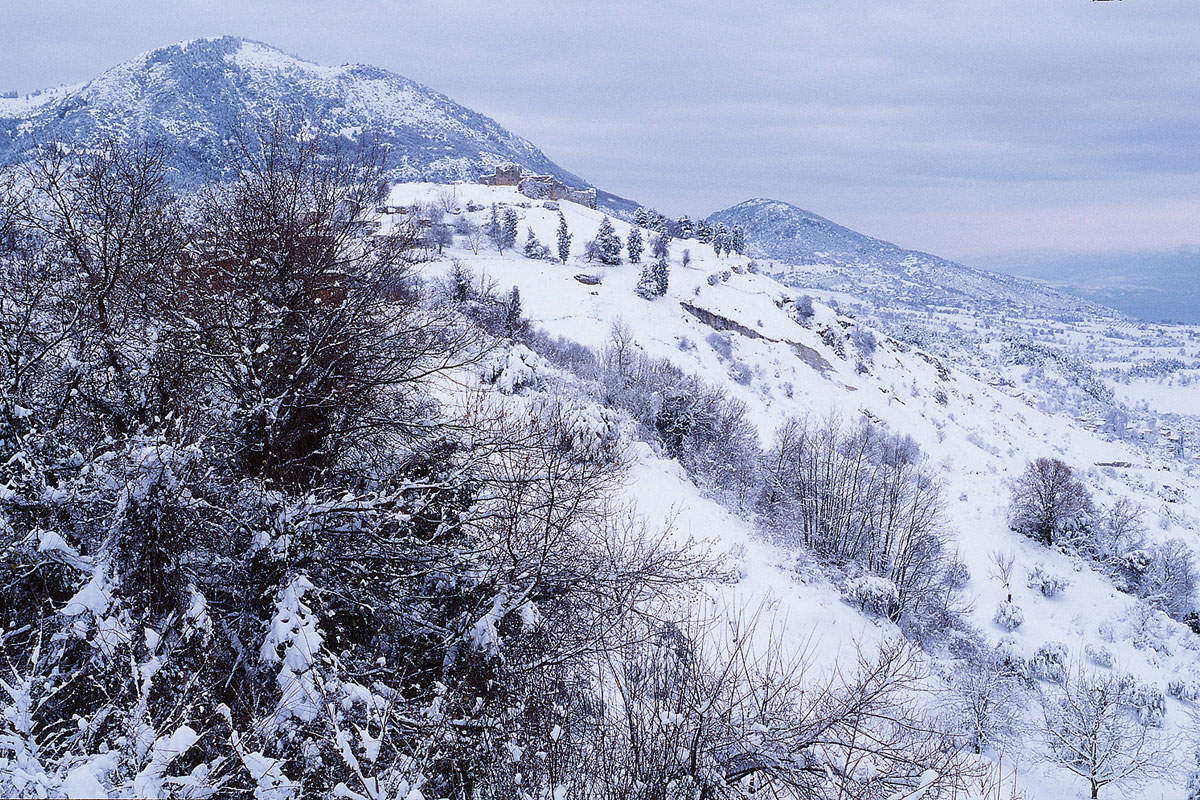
[[192, 95], [818, 253]]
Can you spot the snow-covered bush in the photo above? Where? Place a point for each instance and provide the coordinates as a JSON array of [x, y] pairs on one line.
[[535, 249], [1046, 582], [1146, 700], [864, 342], [591, 432], [1049, 662], [1010, 658], [519, 368], [1098, 654], [873, 594], [803, 310], [1008, 616], [1184, 688]]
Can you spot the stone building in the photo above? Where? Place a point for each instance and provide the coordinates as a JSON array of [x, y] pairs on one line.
[[538, 187]]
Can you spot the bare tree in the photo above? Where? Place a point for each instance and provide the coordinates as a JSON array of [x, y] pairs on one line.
[[308, 324], [1048, 502], [1002, 569], [1090, 730]]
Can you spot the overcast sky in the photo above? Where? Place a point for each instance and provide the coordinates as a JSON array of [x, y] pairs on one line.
[[961, 127]]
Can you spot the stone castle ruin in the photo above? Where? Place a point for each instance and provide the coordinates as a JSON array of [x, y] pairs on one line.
[[538, 187]]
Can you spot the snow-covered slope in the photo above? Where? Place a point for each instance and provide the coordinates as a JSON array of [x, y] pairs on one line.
[[191, 96], [810, 250], [979, 423]]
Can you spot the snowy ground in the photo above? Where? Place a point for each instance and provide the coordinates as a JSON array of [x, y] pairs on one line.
[[979, 426]]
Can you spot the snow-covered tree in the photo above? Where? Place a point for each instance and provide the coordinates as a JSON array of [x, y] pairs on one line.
[[686, 227], [1090, 730], [534, 248], [494, 229], [509, 231], [653, 281], [704, 231], [722, 240], [660, 246], [737, 240], [564, 239], [608, 243], [1049, 503], [634, 245]]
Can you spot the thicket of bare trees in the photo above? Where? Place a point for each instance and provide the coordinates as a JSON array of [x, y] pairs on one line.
[[861, 497]]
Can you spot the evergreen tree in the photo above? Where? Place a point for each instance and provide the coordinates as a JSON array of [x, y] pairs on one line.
[[510, 228], [704, 231], [494, 230], [534, 248], [662, 274], [634, 245], [720, 239], [460, 283], [641, 217], [738, 240], [647, 286], [564, 239], [512, 312], [608, 243], [686, 229], [653, 281]]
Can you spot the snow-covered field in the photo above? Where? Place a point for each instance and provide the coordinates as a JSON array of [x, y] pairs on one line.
[[979, 418]]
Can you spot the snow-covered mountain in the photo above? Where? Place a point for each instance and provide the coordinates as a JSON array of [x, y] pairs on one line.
[[192, 95], [812, 251]]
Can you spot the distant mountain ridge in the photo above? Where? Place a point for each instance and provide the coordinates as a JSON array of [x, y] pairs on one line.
[[1153, 285], [816, 252], [192, 95]]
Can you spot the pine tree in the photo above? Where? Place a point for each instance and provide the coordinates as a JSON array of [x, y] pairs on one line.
[[608, 243], [704, 231], [510, 228], [641, 217], [647, 286], [738, 240], [564, 239], [512, 312], [634, 245], [720, 239], [686, 229], [534, 247], [494, 231], [460, 283], [653, 281], [662, 274]]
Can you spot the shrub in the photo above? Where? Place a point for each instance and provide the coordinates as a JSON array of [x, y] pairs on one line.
[[1008, 615], [1146, 700], [1099, 655], [1046, 582], [1049, 662], [873, 594], [1185, 689]]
